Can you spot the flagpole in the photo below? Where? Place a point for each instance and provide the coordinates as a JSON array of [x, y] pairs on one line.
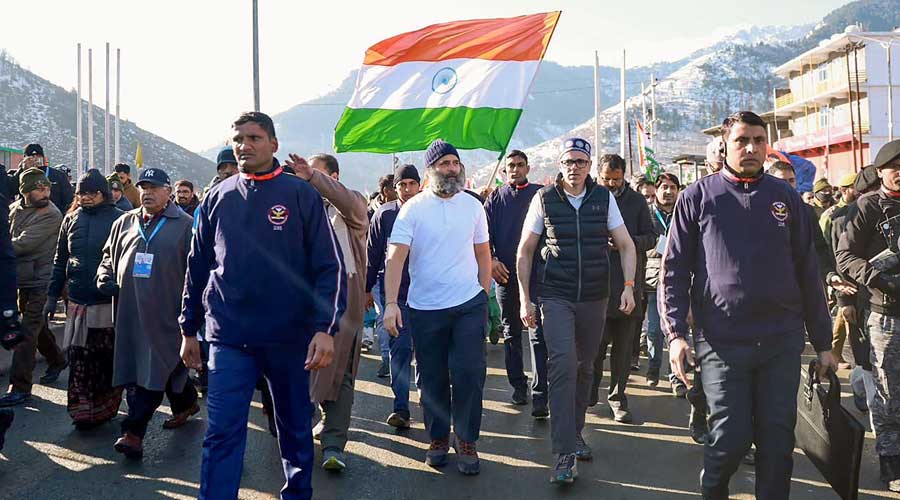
[[79, 140], [90, 108], [653, 111], [622, 98], [596, 105], [493, 177], [118, 86], [255, 55], [106, 164]]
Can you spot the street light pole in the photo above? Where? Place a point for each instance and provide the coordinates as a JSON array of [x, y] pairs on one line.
[[256, 55]]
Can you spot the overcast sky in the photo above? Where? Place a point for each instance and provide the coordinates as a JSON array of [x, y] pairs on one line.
[[186, 65]]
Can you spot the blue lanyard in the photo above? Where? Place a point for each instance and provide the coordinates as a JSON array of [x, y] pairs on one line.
[[155, 230], [661, 220]]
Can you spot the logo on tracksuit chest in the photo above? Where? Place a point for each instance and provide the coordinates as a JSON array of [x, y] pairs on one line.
[[780, 212], [278, 216]]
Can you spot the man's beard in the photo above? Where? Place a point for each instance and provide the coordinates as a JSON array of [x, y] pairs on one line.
[[39, 203], [446, 184]]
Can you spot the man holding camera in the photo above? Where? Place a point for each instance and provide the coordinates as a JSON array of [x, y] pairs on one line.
[[867, 254]]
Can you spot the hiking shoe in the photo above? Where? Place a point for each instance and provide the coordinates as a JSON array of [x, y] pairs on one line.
[[6, 419], [698, 426], [635, 363], [52, 373], [494, 336], [566, 469], [653, 378], [622, 415], [436, 456], [14, 398], [130, 445], [582, 450], [333, 460], [180, 419], [520, 396], [466, 457], [398, 420], [539, 410], [384, 371]]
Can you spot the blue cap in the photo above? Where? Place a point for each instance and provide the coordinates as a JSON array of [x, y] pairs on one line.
[[154, 176], [437, 150], [575, 144], [225, 156]]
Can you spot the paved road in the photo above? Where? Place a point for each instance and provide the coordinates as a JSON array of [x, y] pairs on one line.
[[655, 459]]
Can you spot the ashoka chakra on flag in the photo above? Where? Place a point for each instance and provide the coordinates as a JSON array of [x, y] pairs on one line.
[[463, 81]]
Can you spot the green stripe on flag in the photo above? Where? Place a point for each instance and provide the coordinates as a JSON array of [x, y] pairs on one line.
[[392, 131]]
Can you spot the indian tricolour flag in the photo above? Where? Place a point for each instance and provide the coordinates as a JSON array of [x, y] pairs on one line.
[[464, 81]]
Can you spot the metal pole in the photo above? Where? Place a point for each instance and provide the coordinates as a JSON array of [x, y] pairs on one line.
[[90, 108], [859, 138], [890, 95], [106, 165], [653, 112], [643, 104], [630, 152], [622, 120], [118, 86], [850, 107], [255, 55], [596, 105], [79, 140]]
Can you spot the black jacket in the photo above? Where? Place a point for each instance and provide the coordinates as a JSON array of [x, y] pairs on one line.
[[79, 251], [869, 231], [636, 214], [576, 245]]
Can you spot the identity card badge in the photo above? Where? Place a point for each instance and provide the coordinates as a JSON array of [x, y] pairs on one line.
[[143, 264]]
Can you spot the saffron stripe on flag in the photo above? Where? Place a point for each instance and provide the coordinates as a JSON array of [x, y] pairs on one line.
[[523, 38], [391, 131], [453, 83]]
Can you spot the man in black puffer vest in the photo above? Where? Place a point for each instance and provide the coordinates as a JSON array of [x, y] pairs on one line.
[[621, 327], [577, 218]]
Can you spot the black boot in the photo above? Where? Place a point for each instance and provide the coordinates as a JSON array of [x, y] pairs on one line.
[[595, 392], [6, 419]]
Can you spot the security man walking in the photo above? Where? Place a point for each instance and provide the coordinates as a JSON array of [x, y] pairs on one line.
[[872, 231], [266, 275], [748, 334]]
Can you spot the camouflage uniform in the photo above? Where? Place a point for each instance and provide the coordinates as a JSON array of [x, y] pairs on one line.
[[885, 412]]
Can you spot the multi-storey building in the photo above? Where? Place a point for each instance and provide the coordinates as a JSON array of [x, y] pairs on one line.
[[837, 101]]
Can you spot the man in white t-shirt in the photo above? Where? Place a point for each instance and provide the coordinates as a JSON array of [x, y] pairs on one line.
[[444, 233], [573, 221]]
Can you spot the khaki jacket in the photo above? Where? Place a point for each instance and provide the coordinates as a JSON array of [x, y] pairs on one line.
[[325, 384]]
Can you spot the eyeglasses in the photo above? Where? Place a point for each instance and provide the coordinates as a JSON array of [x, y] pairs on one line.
[[579, 163]]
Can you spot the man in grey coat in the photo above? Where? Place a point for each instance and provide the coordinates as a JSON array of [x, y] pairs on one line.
[[143, 268], [34, 223]]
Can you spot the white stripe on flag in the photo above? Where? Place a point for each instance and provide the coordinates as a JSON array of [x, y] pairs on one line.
[[474, 83]]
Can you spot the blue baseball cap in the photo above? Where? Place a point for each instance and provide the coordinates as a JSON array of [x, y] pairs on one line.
[[575, 144], [154, 176]]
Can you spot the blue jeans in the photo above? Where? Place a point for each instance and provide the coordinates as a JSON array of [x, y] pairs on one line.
[[751, 391], [450, 346], [654, 336], [233, 372], [401, 353], [382, 336]]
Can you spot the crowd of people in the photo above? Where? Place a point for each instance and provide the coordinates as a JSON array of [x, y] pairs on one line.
[[158, 303]]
